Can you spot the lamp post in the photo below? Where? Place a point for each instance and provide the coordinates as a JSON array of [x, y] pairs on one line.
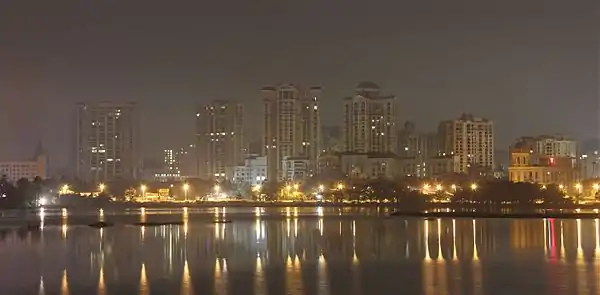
[[101, 187], [143, 188], [186, 187]]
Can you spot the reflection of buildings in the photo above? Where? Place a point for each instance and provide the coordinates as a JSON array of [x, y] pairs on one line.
[[293, 253], [527, 234]]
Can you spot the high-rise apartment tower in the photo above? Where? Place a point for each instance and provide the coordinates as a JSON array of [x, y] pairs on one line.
[[291, 126], [107, 139], [220, 137], [370, 121], [471, 139]]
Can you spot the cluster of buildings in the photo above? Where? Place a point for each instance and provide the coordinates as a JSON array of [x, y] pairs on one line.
[[368, 145], [294, 145]]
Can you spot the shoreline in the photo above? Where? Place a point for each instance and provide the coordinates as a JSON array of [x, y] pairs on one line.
[[491, 215], [399, 206]]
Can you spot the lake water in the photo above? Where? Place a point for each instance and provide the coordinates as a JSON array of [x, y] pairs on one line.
[[296, 251]]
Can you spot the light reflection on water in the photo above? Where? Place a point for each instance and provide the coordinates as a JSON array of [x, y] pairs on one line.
[[299, 251]]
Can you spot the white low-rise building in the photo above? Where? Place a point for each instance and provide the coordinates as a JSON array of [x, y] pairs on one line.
[[369, 165], [253, 172], [15, 170], [295, 168]]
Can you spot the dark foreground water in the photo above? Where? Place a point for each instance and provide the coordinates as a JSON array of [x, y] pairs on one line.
[[296, 251]]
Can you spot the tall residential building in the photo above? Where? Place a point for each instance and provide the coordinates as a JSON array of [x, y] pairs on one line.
[[220, 138], [369, 121], [417, 150], [173, 160], [291, 126], [556, 146], [107, 139], [471, 139]]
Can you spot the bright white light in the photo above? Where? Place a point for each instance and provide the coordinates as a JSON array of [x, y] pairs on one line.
[[319, 197], [43, 201]]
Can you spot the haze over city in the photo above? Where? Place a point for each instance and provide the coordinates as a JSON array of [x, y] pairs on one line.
[[530, 66]]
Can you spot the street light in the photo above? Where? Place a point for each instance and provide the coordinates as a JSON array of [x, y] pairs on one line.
[[453, 187], [596, 186], [186, 187], [257, 188], [438, 187], [217, 188], [578, 187], [101, 187], [296, 186], [474, 186], [340, 186], [143, 188], [321, 188], [426, 187], [64, 189]]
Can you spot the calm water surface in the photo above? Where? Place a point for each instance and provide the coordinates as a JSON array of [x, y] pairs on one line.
[[296, 251]]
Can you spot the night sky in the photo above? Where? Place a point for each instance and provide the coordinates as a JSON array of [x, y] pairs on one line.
[[529, 65]]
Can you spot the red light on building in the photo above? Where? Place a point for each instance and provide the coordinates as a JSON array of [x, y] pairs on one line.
[[552, 161]]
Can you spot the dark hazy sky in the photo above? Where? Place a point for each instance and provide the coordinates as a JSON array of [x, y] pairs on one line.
[[529, 65]]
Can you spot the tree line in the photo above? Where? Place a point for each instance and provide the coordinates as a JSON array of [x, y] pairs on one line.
[[22, 194]]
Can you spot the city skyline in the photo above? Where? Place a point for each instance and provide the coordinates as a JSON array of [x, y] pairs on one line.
[[521, 71]]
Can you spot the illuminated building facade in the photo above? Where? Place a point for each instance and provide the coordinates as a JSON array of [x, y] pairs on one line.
[[589, 165], [471, 139], [253, 172], [107, 138], [291, 126], [369, 165], [530, 164], [219, 138], [36, 167], [369, 121]]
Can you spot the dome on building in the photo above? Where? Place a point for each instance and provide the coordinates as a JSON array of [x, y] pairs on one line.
[[367, 85]]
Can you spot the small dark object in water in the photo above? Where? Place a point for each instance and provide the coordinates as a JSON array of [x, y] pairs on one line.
[[32, 227], [158, 223], [100, 224], [222, 221]]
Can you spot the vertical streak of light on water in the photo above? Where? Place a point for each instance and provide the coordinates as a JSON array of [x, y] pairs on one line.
[[440, 264], [101, 285], [220, 277], [259, 277], [454, 255], [186, 280], [144, 286], [323, 287], [428, 275], [545, 229], [597, 235], [477, 280], [579, 247], [64, 283], [426, 240], [355, 265], [439, 239], [597, 250], [562, 241], [41, 290]]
